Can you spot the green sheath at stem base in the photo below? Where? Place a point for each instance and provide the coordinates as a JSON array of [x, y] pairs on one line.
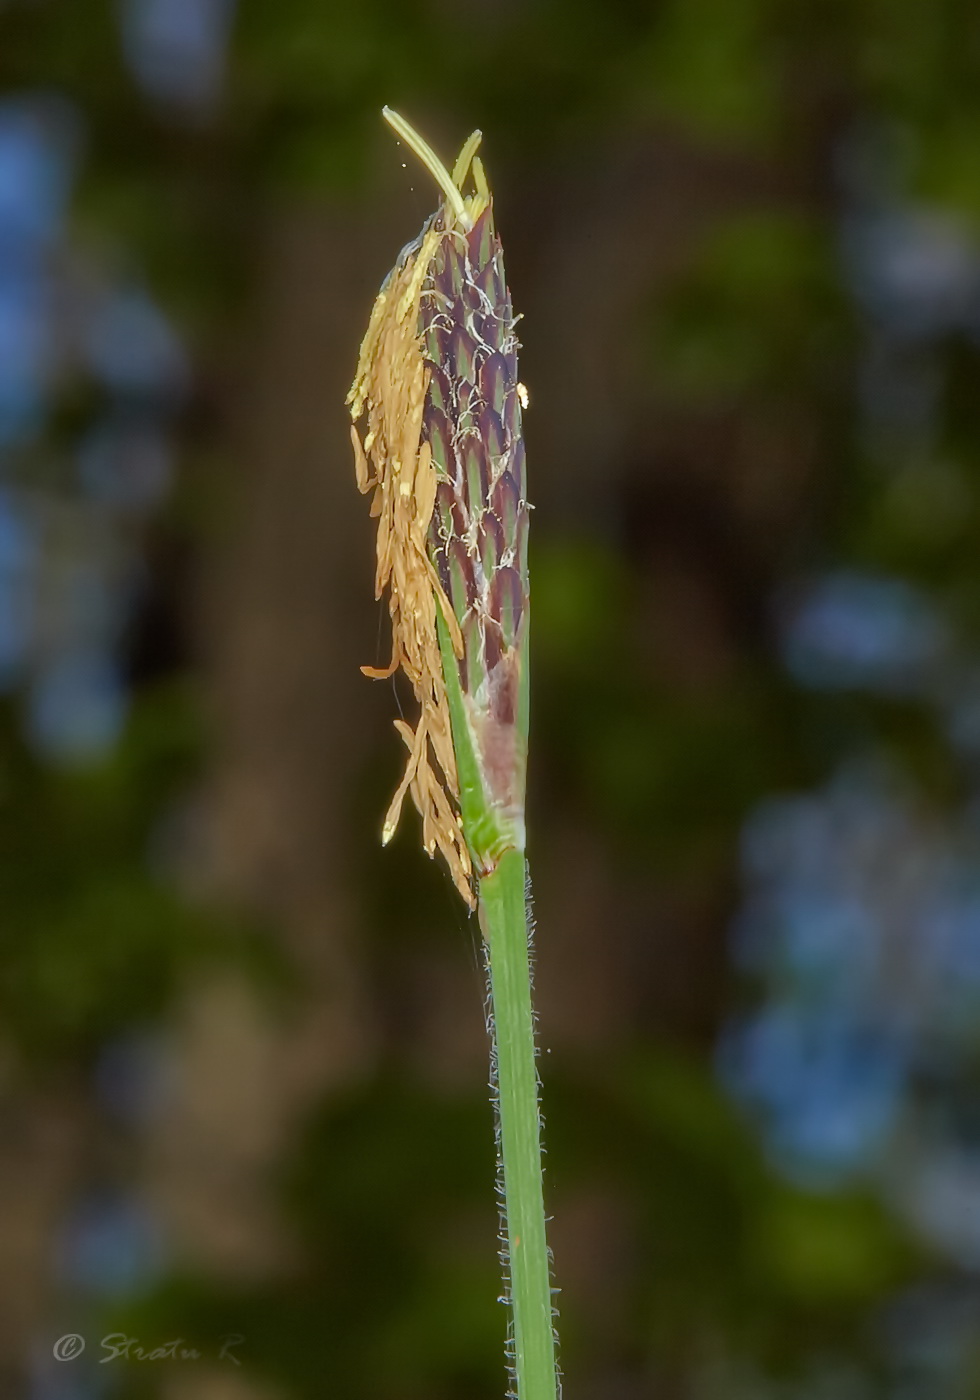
[[503, 917]]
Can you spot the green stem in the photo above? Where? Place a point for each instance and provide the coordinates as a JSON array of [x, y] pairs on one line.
[[504, 920]]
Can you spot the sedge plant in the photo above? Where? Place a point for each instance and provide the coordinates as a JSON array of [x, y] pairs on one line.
[[436, 408]]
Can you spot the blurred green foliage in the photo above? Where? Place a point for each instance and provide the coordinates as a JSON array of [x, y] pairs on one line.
[[99, 939]]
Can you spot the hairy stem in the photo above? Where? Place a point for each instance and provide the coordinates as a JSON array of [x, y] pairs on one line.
[[503, 918]]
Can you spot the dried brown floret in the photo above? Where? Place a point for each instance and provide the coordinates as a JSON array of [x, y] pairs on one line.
[[390, 388]]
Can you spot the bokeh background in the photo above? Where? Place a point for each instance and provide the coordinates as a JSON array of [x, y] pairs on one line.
[[242, 1059]]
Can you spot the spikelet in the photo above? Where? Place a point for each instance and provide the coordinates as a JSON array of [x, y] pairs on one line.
[[443, 455]]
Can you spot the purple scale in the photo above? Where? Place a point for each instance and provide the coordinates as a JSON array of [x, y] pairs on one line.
[[493, 645], [490, 542], [505, 504], [450, 275], [450, 511], [471, 298], [462, 584], [521, 555], [482, 240], [516, 466], [437, 430], [461, 356], [493, 380], [507, 602], [492, 432], [488, 281], [489, 330], [436, 342], [475, 467], [440, 388], [469, 403]]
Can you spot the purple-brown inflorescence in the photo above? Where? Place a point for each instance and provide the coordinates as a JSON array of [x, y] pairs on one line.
[[444, 455], [478, 534]]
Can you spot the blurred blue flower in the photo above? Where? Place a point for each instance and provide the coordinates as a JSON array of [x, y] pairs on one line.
[[77, 704], [125, 463], [38, 137], [176, 48], [829, 1087], [18, 561], [860, 631], [133, 348], [38, 142], [110, 1246], [915, 271]]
